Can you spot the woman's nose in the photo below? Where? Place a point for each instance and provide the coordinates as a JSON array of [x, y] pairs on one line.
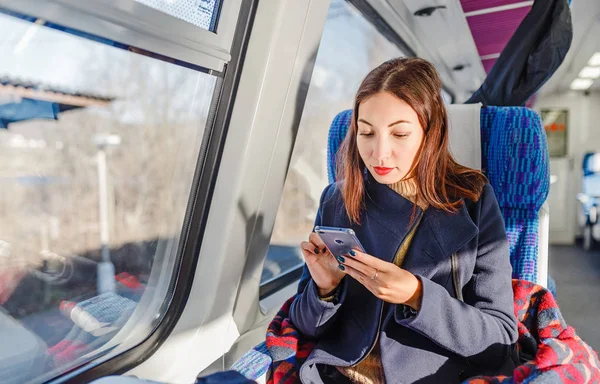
[[382, 150]]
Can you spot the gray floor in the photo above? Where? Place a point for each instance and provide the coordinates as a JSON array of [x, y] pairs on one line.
[[577, 276]]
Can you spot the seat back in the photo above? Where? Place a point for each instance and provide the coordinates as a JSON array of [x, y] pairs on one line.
[[516, 161], [514, 157], [591, 174]]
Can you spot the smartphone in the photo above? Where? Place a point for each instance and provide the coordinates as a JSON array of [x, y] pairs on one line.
[[339, 241]]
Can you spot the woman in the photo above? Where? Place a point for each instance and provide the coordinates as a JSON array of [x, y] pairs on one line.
[[391, 314]]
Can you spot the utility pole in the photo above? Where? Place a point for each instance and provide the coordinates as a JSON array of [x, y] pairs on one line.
[[106, 268]]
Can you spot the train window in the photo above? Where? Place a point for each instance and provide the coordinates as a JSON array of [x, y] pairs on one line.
[[195, 32], [333, 85], [98, 147], [201, 13]]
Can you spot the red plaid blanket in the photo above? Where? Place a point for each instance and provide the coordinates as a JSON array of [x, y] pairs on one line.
[[552, 350]]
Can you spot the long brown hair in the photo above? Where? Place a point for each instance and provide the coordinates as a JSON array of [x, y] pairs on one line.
[[441, 182]]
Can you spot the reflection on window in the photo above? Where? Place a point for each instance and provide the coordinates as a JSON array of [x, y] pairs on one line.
[[201, 13], [334, 82], [97, 150]]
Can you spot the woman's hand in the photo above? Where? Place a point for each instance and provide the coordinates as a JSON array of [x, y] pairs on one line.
[[324, 268], [385, 280]]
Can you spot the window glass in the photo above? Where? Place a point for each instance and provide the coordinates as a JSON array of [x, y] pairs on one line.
[[201, 13], [98, 147], [350, 48]]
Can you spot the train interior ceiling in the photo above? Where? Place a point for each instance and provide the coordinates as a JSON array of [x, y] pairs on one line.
[[162, 160]]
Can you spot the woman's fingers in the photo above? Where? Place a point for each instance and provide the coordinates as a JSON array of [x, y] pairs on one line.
[[312, 252], [357, 275], [309, 248], [371, 261], [351, 262], [316, 240]]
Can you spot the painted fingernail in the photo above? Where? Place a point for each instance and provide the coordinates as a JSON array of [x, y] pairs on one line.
[[340, 266], [352, 253], [324, 250], [341, 259], [317, 251]]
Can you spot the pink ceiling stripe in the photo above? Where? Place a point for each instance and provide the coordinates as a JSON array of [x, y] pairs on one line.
[[488, 64], [476, 5], [492, 31]]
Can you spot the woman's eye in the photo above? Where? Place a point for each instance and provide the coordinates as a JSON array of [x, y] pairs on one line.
[[366, 134], [401, 135]]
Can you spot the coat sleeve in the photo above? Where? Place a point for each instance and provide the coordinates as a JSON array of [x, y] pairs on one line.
[[309, 314], [483, 328]]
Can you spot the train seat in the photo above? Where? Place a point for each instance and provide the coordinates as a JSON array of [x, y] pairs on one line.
[[590, 199]]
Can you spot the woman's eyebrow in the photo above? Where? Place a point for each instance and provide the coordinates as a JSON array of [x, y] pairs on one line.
[[398, 122], [365, 121], [389, 126]]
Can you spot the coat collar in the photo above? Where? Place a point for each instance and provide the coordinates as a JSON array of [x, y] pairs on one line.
[[450, 231], [388, 207]]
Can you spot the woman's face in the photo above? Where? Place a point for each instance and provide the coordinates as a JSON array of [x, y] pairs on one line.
[[389, 136]]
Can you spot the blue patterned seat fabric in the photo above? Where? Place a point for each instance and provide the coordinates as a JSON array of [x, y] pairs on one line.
[[591, 181], [515, 160]]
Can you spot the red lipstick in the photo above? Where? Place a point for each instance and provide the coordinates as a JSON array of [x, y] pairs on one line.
[[382, 171]]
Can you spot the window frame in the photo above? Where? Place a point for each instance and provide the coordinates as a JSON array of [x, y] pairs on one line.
[[382, 26], [291, 276], [208, 160], [279, 282], [137, 25]]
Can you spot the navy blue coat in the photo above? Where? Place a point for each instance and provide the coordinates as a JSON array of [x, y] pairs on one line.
[[447, 340]]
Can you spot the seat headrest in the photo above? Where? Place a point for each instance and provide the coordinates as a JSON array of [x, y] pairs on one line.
[[337, 133], [464, 134], [515, 157], [591, 163]]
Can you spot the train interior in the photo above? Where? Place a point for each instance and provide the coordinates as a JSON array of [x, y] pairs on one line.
[[162, 160]]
